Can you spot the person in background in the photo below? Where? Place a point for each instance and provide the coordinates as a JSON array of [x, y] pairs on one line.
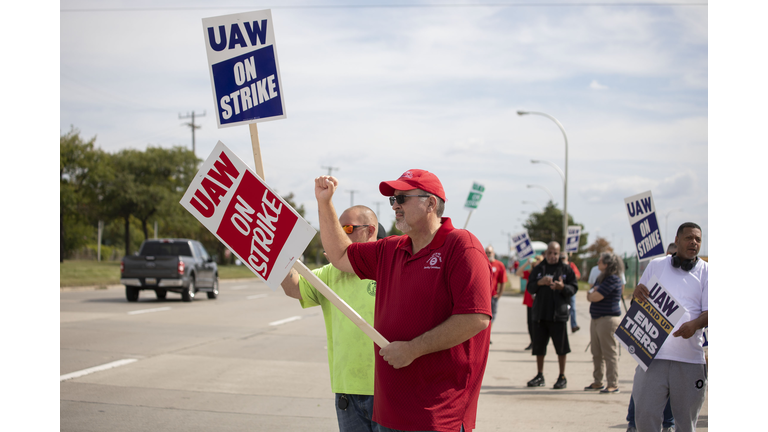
[[668, 422], [553, 283], [499, 275], [605, 311], [350, 352], [678, 373], [564, 258], [524, 272]]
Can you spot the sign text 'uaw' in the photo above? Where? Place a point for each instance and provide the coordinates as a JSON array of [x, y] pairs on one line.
[[522, 245], [572, 239], [647, 325], [245, 74], [258, 226], [642, 218]]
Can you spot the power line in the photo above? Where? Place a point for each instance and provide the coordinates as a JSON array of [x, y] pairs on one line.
[[330, 169], [352, 197], [393, 6], [192, 126]]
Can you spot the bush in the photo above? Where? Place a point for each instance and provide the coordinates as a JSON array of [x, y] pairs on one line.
[[89, 252]]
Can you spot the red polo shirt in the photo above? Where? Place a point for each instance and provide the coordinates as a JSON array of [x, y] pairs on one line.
[[414, 294], [499, 273]]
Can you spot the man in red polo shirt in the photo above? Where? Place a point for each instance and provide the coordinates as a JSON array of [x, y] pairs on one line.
[[499, 273], [433, 303]]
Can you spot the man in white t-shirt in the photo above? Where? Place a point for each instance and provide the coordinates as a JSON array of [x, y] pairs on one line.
[[679, 371]]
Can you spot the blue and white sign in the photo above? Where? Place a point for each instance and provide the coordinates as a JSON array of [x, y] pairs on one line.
[[242, 61], [572, 239], [522, 245], [642, 218]]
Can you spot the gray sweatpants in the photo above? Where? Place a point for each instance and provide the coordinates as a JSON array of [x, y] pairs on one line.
[[683, 383]]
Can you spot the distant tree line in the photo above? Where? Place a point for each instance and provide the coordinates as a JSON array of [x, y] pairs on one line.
[[129, 191]]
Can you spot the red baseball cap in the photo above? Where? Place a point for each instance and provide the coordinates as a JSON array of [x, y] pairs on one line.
[[414, 179]]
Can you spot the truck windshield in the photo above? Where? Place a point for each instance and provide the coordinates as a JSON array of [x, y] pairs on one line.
[[166, 249]]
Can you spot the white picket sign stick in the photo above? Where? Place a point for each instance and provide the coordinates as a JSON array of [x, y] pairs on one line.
[[340, 304]]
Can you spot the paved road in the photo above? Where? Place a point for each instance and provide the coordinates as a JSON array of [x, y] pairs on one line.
[[254, 360]]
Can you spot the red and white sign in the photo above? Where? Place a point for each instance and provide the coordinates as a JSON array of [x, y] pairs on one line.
[[235, 204]]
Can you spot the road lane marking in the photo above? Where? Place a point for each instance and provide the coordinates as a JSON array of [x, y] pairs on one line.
[[257, 296], [239, 287], [283, 321], [141, 311], [83, 372]]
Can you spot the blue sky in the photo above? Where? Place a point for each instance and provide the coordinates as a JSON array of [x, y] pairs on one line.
[[375, 91]]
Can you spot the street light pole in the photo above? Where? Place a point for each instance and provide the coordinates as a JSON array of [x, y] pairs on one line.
[[559, 171], [565, 177], [552, 197]]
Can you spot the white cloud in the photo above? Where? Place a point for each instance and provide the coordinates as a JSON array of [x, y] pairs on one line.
[[378, 91]]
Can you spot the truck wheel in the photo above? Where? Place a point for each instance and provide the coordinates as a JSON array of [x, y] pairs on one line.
[[215, 290], [189, 294], [132, 294], [161, 293]]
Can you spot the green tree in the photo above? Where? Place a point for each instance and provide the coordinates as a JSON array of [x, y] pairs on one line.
[[547, 226], [146, 184], [81, 167], [163, 176]]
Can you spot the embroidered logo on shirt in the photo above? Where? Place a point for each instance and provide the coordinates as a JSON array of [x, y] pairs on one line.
[[433, 261], [372, 288]]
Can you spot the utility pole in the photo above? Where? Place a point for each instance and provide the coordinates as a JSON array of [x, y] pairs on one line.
[[192, 125], [352, 197], [378, 208], [330, 169]]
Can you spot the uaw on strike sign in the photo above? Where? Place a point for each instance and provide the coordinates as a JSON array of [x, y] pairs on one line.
[[645, 228], [262, 230], [242, 61], [647, 325]]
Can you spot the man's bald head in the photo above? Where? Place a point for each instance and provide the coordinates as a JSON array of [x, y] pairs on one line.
[[360, 215], [553, 252]]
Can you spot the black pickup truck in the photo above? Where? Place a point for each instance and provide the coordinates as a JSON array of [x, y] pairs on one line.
[[177, 265]]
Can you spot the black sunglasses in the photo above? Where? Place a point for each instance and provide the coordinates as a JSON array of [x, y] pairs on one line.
[[401, 198]]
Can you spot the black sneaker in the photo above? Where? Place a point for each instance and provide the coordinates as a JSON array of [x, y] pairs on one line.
[[537, 381], [561, 383]]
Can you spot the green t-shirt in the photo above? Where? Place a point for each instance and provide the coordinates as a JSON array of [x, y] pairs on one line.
[[350, 352]]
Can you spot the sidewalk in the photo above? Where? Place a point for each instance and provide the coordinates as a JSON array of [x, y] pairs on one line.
[[506, 403]]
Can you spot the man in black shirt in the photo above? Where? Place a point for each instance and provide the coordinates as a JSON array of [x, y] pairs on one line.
[[553, 283]]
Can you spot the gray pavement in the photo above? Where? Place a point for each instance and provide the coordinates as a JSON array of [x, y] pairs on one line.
[[220, 365], [506, 403]]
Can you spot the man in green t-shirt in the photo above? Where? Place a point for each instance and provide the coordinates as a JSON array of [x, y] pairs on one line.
[[350, 352]]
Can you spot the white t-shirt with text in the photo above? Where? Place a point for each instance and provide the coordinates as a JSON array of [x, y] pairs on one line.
[[691, 290]]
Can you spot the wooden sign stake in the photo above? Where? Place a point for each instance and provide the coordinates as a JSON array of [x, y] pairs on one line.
[[303, 270]]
